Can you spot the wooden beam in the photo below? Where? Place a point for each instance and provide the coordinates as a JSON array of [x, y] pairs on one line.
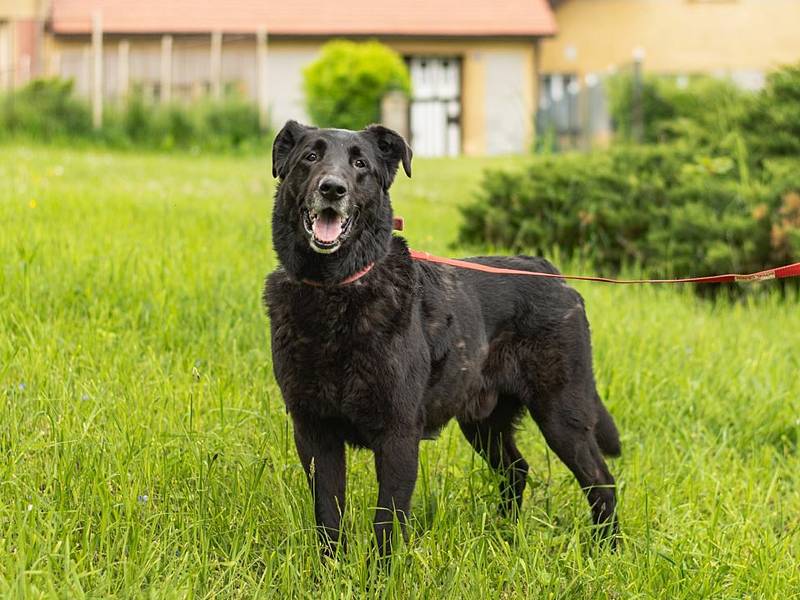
[[97, 63], [54, 64], [6, 62], [215, 69], [25, 68], [38, 66], [637, 98], [123, 69], [166, 69], [84, 83], [262, 87]]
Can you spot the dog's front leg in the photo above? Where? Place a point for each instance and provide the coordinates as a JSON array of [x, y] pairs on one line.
[[321, 451], [396, 462]]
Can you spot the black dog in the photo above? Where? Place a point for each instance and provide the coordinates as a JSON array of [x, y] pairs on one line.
[[374, 349]]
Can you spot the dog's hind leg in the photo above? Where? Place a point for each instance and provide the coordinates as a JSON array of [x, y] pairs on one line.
[[493, 439], [570, 434]]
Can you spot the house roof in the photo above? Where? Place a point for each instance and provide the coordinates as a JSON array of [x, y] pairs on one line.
[[483, 18]]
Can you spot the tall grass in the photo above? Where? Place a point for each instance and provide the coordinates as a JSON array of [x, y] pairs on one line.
[[146, 451], [47, 110]]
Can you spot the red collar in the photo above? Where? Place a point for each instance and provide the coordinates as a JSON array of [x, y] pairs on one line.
[[352, 279]]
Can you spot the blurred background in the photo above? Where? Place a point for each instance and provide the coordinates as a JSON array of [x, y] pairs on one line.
[[484, 78]]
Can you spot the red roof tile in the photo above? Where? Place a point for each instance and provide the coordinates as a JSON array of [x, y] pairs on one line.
[[309, 17]]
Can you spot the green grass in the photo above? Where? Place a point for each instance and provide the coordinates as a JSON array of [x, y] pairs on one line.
[[146, 451]]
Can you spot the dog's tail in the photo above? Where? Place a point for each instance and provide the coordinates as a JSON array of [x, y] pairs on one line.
[[605, 431]]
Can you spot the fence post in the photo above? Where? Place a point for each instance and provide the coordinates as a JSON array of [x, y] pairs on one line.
[[25, 68], [54, 65], [123, 69], [38, 65], [537, 92], [97, 62], [5, 56], [166, 69], [637, 117], [587, 83], [84, 83], [262, 89], [216, 65]]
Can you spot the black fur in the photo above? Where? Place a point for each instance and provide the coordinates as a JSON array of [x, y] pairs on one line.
[[388, 360]]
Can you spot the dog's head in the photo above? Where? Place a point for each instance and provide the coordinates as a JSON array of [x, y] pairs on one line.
[[332, 207]]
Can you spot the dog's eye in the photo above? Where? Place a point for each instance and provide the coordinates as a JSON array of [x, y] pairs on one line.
[[359, 163], [311, 156]]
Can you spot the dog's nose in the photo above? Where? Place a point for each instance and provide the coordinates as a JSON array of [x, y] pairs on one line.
[[332, 188]]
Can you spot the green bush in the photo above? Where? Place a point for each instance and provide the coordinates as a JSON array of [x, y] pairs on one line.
[[704, 111], [177, 127], [230, 123], [344, 86], [714, 114], [45, 109], [667, 209], [655, 108], [137, 119], [215, 125], [772, 124], [719, 193]]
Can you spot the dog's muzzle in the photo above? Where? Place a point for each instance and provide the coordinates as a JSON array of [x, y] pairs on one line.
[[327, 228]]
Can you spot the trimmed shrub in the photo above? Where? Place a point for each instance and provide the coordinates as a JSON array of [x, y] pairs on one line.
[[656, 109], [45, 109], [176, 127], [231, 123], [666, 209], [720, 193], [714, 114], [344, 86], [137, 119], [217, 125], [704, 111], [772, 125]]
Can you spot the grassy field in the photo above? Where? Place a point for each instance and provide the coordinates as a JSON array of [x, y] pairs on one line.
[[146, 451]]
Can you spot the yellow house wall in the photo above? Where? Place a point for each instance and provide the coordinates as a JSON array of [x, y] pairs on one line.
[[678, 36], [23, 9], [473, 105]]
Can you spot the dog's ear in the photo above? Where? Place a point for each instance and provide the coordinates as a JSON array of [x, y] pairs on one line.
[[392, 150], [285, 141]]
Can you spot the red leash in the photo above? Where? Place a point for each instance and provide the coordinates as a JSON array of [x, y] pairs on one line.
[[785, 272], [778, 273]]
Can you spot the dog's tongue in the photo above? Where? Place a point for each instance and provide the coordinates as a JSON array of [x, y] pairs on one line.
[[328, 226]]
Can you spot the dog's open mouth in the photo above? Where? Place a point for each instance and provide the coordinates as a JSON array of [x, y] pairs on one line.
[[328, 229]]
